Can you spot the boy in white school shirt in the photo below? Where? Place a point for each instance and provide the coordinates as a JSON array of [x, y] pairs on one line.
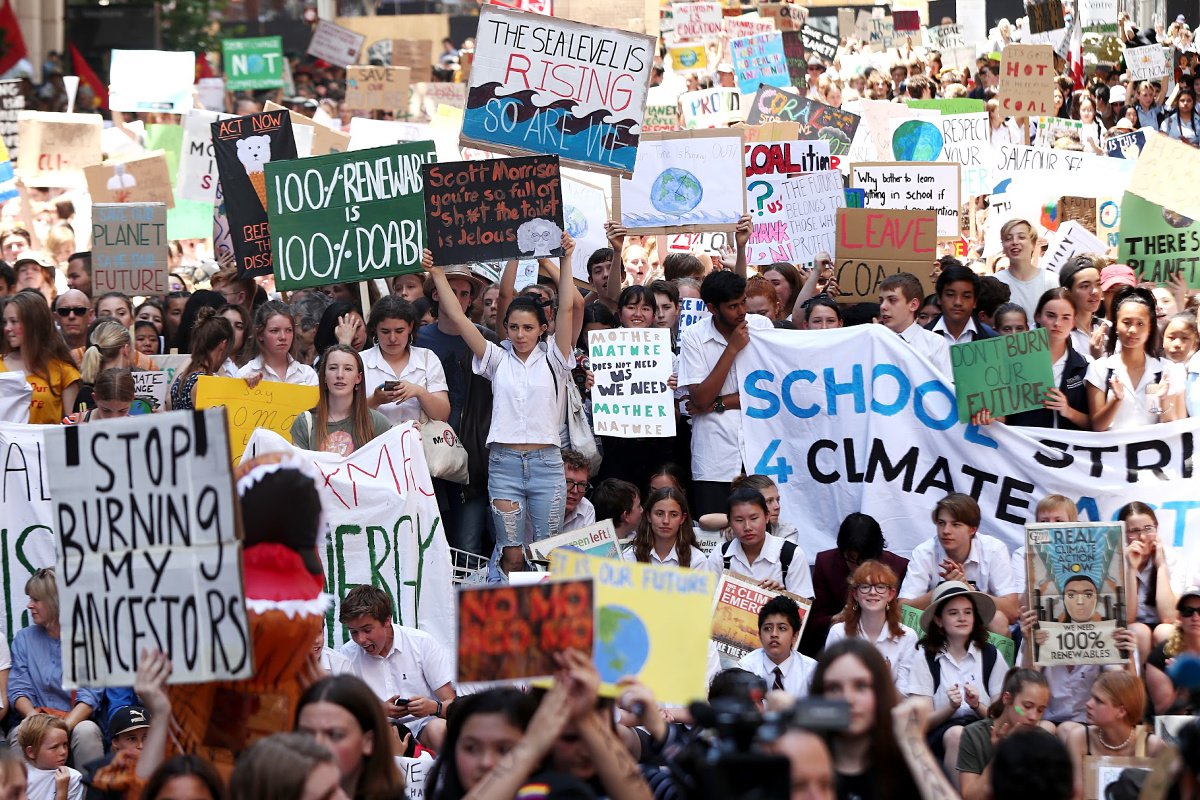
[[900, 297], [777, 661]]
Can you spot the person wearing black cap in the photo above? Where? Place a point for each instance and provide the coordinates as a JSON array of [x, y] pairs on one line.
[[127, 731]]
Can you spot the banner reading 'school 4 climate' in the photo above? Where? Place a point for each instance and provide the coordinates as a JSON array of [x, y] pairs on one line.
[[545, 85], [866, 424]]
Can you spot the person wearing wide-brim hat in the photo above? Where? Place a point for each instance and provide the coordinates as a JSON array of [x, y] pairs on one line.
[[958, 670]]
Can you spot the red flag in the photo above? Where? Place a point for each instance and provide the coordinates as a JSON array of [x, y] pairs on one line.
[[203, 68], [89, 78], [12, 45]]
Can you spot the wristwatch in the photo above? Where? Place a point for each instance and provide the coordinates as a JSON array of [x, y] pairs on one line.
[[438, 712], [719, 406]]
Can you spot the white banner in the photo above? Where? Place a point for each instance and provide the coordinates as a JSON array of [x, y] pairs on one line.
[[15, 396], [867, 425], [383, 529], [27, 540]]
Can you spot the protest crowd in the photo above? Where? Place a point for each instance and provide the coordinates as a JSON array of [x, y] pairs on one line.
[[748, 402]]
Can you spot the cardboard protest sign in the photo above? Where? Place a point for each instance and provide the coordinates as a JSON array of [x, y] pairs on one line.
[[876, 33], [931, 186], [508, 633], [270, 405], [872, 245], [1004, 374], [144, 179], [1078, 209], [651, 622], [28, 540], [12, 102], [793, 190], [690, 181], [906, 21], [255, 63], [795, 58], [1164, 162], [150, 388], [691, 311], [697, 21], [1027, 80], [688, 56], [348, 216], [129, 248], [599, 540], [197, 179], [377, 88], [417, 55], [1068, 241], [1157, 243], [960, 138], [151, 80], [1077, 582], [819, 43], [16, 394], [718, 107], [56, 147], [816, 120], [532, 91], [631, 398], [1147, 63], [735, 614], [493, 210], [325, 140], [950, 40], [585, 208], [788, 17], [745, 25], [243, 146], [1125, 145], [383, 529], [333, 43], [1045, 15], [426, 97], [164, 558], [660, 118], [759, 60]]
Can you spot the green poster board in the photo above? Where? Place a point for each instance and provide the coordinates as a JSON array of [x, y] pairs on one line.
[[1158, 243], [169, 139], [255, 63], [950, 105], [348, 217], [189, 219], [911, 618], [1005, 374]]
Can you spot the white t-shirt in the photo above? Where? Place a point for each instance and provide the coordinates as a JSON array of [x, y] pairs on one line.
[[526, 408], [1134, 410], [41, 784], [967, 671], [1027, 293], [424, 368]]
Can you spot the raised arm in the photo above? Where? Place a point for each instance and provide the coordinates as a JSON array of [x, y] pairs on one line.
[[508, 290], [565, 333], [741, 238], [451, 311], [555, 274], [150, 687]]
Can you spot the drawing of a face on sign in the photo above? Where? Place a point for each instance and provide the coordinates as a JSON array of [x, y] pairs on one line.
[[538, 237], [1079, 600]]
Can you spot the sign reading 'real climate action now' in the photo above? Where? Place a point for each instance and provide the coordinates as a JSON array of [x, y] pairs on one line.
[[545, 85], [348, 216], [148, 549], [631, 397]]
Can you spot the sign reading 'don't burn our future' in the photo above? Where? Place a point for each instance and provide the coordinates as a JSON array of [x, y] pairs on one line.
[[348, 216], [148, 549]]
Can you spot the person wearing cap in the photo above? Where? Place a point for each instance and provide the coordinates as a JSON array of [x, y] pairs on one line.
[[127, 730], [35, 270], [1081, 276], [959, 553], [1184, 641], [1113, 278], [957, 669], [725, 76]]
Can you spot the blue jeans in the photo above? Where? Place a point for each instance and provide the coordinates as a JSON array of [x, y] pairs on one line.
[[532, 480]]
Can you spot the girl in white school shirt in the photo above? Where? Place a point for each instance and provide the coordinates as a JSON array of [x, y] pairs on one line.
[[529, 379], [274, 334], [758, 554], [664, 534], [402, 381]]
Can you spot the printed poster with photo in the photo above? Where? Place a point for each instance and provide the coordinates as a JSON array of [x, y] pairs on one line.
[[1077, 582]]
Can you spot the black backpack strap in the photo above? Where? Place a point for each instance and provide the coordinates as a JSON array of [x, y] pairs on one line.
[[785, 560], [935, 669], [990, 654], [725, 554]]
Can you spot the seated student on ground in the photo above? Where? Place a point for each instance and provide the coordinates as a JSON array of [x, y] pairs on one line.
[[127, 731], [1183, 641], [957, 670], [777, 661], [1158, 577], [408, 669], [618, 500], [43, 742], [756, 554], [872, 613], [1114, 715], [1021, 705], [664, 534], [959, 553]]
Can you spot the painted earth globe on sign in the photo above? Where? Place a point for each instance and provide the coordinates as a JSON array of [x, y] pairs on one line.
[[917, 140], [622, 643], [676, 191], [575, 222]]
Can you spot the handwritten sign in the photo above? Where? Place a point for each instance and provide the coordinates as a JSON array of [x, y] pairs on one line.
[[759, 60], [660, 118], [930, 186], [1027, 80], [271, 405], [12, 102], [56, 147], [521, 99], [871, 245], [494, 210], [584, 207], [819, 42], [1157, 243], [510, 633], [1077, 582], [718, 107], [143, 179], [816, 120], [417, 55], [335, 44], [151, 80], [179, 584], [371, 88], [1004, 375], [1147, 63], [129, 248], [255, 63], [793, 191], [696, 21], [150, 389], [631, 398]]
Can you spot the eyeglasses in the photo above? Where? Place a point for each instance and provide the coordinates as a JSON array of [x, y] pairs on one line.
[[583, 486], [67, 311], [873, 588], [1189, 611], [1141, 531]]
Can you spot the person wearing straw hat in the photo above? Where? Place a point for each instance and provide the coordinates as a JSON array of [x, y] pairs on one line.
[[960, 673]]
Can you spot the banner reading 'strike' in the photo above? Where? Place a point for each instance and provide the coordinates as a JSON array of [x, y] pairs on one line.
[[545, 85]]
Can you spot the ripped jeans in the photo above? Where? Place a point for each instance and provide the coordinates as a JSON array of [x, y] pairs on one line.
[[533, 481]]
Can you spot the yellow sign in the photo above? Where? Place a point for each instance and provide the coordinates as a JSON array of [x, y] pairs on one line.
[[652, 623], [689, 56], [269, 405]]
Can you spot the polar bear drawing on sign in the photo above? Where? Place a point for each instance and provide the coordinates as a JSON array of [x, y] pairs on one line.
[[538, 237], [254, 152]]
